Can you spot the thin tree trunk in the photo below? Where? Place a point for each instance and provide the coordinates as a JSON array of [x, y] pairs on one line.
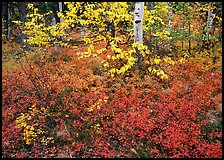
[[60, 10], [4, 17], [112, 29], [138, 22], [138, 31], [170, 16], [61, 19], [182, 43], [183, 23], [8, 23], [55, 9], [189, 34], [110, 25], [152, 26], [56, 40], [22, 18], [209, 22], [82, 30], [170, 23], [4, 10]]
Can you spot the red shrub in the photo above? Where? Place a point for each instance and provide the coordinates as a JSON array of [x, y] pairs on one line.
[[107, 119]]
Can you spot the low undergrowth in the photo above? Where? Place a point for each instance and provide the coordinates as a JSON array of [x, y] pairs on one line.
[[56, 105]]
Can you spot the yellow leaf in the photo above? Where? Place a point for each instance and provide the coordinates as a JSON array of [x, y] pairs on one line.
[[150, 69], [134, 151], [90, 109], [181, 60], [108, 56], [106, 64], [97, 125], [157, 60]]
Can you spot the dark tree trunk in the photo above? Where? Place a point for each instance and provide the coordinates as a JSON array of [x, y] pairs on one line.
[[183, 24], [110, 27], [22, 18], [112, 30], [55, 10], [182, 43], [5, 16], [4, 10]]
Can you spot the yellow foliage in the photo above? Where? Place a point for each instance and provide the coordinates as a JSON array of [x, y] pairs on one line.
[[157, 61], [30, 133], [98, 104], [96, 127], [100, 14]]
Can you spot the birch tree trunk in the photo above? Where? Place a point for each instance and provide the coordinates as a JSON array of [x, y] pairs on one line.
[[61, 19], [209, 21], [170, 24], [82, 30], [138, 32], [170, 16], [56, 40], [138, 22], [60, 10], [8, 23]]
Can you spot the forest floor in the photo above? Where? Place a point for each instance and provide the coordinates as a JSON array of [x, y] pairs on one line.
[[58, 105]]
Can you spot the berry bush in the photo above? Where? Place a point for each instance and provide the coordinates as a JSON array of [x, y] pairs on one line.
[[56, 105]]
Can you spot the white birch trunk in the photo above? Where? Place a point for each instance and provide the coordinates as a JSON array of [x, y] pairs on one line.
[[82, 30], [138, 32], [170, 16], [60, 10], [56, 40], [138, 22], [61, 19], [209, 21], [8, 23], [170, 23]]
